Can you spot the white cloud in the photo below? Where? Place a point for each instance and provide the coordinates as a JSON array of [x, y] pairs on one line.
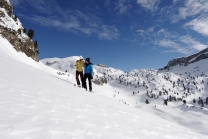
[[154, 33], [200, 25], [162, 32], [172, 46], [142, 33], [185, 45], [15, 2], [147, 34], [191, 8], [151, 5], [47, 7], [104, 32], [192, 43], [123, 6], [73, 21], [151, 29], [168, 43], [175, 1], [108, 32]]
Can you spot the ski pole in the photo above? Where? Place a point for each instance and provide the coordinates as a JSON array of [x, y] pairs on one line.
[[68, 71]]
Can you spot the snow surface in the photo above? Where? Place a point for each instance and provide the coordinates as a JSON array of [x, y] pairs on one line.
[[37, 103], [124, 84]]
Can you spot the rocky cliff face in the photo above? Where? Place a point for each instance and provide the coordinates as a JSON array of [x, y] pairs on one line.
[[12, 29], [185, 61]]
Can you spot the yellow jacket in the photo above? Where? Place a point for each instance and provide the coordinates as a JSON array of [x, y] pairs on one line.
[[79, 65]]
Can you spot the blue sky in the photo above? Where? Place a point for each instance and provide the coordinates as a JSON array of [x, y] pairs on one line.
[[124, 34]]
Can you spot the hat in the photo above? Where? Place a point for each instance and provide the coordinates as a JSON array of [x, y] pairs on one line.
[[88, 59], [81, 57]]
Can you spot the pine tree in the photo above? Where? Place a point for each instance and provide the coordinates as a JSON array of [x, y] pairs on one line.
[[184, 102], [170, 98], [30, 33], [19, 31], [36, 44], [15, 18], [184, 87], [165, 102], [24, 30], [147, 102]]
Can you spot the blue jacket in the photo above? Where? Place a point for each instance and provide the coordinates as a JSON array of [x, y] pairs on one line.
[[88, 68]]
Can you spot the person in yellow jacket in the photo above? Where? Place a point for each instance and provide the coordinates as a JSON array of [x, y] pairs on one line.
[[79, 71]]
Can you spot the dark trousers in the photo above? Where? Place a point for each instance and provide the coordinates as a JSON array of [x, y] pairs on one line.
[[87, 76], [81, 77]]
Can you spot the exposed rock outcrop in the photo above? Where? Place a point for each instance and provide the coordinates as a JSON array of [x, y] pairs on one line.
[[101, 65], [185, 61], [100, 81], [12, 30], [7, 6]]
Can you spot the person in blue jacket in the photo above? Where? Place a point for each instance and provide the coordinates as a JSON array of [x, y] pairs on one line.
[[88, 73]]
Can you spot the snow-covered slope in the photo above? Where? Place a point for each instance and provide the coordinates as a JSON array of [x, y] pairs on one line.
[[38, 103], [179, 87]]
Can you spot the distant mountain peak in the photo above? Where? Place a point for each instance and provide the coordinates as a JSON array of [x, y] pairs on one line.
[[185, 61]]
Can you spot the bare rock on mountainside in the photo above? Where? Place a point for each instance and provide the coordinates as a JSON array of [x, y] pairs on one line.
[[100, 81], [7, 6], [12, 30], [101, 65], [185, 61]]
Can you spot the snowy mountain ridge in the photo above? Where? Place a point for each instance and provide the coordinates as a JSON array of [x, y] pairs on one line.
[[185, 61]]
